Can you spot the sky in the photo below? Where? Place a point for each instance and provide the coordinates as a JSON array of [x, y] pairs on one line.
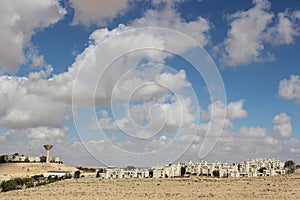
[[148, 83]]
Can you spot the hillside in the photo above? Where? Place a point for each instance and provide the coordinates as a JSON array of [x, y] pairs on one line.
[[28, 169]]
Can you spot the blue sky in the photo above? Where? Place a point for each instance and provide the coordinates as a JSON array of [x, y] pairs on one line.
[[62, 64]]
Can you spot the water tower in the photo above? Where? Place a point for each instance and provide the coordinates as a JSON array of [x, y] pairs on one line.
[[48, 147]]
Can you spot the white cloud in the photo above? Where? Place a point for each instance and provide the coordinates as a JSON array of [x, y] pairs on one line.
[[97, 11], [269, 140], [251, 29], [169, 18], [290, 88], [252, 132], [45, 134], [19, 20], [34, 59], [282, 125], [168, 116], [234, 110], [118, 42], [295, 150], [38, 102], [286, 29], [243, 43], [37, 135], [150, 82], [24, 108], [42, 74]]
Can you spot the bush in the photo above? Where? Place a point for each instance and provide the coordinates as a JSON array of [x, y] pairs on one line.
[[261, 170], [102, 170], [18, 183], [50, 179], [77, 174], [182, 171], [68, 176], [85, 169], [216, 173], [29, 184], [9, 185], [98, 174], [289, 164]]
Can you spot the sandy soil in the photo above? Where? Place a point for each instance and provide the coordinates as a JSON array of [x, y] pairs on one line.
[[281, 187], [28, 169]]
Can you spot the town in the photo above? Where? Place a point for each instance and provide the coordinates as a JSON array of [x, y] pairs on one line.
[[248, 168]]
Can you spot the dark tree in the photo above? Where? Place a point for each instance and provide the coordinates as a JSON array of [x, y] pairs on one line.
[[289, 164], [77, 174], [261, 170], [182, 171], [130, 168], [216, 173], [150, 173], [102, 170], [98, 174], [43, 159], [8, 185]]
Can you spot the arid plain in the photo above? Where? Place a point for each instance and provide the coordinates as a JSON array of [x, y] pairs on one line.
[[280, 187]]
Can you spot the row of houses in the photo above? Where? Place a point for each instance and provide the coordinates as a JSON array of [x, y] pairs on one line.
[[248, 168], [114, 172], [21, 158]]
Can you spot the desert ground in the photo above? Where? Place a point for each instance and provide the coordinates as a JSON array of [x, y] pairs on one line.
[[280, 187], [16, 170]]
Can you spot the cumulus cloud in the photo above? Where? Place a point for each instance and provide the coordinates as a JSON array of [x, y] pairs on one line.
[[21, 108], [42, 74], [44, 102], [169, 18], [243, 43], [290, 88], [19, 20], [37, 135], [251, 29], [234, 110], [171, 116], [118, 42], [253, 132], [282, 125], [286, 29], [97, 11]]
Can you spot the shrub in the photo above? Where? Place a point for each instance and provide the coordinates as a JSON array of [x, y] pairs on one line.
[[98, 174], [182, 171], [9, 185], [85, 169], [289, 164], [77, 174], [29, 184], [50, 179], [216, 173]]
